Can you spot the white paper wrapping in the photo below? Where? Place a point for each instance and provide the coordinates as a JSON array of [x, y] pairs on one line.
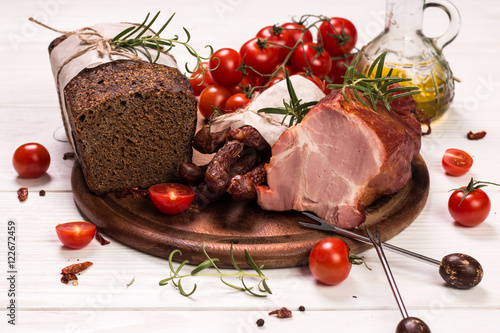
[[63, 72], [269, 125]]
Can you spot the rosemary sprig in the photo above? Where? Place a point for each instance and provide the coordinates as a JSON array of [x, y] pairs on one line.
[[176, 278], [295, 109], [374, 85], [140, 38]]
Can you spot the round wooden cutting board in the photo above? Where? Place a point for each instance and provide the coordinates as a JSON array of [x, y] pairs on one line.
[[274, 239]]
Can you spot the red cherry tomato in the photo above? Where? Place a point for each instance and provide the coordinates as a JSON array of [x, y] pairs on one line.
[[296, 30], [329, 261], [31, 160], [199, 83], [226, 62], [307, 57], [171, 198], [456, 162], [279, 36], [262, 59], [339, 36], [236, 102], [338, 70], [213, 96], [245, 84], [473, 210], [316, 80], [75, 234]]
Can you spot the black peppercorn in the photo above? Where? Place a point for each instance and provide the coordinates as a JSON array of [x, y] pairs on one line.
[[302, 308], [260, 322]]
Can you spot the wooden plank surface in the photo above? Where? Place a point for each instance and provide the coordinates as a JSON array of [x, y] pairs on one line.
[[102, 302]]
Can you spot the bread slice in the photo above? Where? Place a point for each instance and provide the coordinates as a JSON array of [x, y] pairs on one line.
[[132, 123]]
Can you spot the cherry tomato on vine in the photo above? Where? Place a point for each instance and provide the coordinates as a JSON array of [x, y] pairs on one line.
[[198, 84], [31, 160], [236, 102], [311, 57], [171, 198], [338, 70], [245, 84], [339, 36], [474, 208], [75, 234], [226, 62], [296, 30], [313, 78], [213, 96], [456, 162], [262, 58], [329, 261], [279, 36]]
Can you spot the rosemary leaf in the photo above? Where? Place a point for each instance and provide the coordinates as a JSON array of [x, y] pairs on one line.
[[148, 26], [134, 31], [206, 264], [164, 26], [266, 287], [183, 293], [249, 290], [233, 262], [252, 263], [231, 285], [187, 34], [124, 32]]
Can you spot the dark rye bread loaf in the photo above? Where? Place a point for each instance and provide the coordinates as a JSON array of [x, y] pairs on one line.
[[132, 123]]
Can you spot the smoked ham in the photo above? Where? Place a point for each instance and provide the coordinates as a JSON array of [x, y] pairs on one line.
[[341, 158]]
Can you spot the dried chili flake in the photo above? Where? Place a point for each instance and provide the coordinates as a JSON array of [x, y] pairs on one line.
[[100, 239], [22, 194], [134, 191], [69, 272], [282, 313], [137, 193], [195, 209], [476, 136]]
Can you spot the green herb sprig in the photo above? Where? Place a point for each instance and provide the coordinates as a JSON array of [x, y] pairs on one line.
[[177, 278], [471, 187], [376, 88], [140, 38], [295, 109]]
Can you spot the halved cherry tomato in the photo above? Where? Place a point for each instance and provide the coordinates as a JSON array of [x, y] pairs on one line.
[[31, 160], [171, 198], [339, 36], [199, 83], [224, 64], [296, 30], [213, 96], [456, 162], [329, 261], [75, 234], [474, 209], [236, 102]]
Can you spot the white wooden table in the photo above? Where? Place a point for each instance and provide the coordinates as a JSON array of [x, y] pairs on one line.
[[363, 303]]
